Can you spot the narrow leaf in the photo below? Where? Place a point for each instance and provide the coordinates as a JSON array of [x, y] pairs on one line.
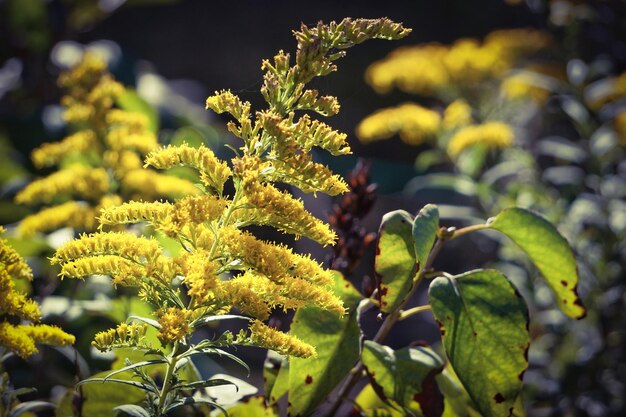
[[146, 320], [134, 366], [548, 250], [204, 384], [29, 406], [336, 340], [132, 410], [135, 384], [395, 259], [403, 374], [483, 322]]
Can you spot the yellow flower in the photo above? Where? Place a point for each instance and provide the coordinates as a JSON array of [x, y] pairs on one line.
[[76, 180], [457, 114], [213, 172], [274, 261], [174, 324], [414, 123], [490, 134], [124, 335], [150, 185], [525, 86], [286, 212], [50, 154], [278, 341], [22, 339]]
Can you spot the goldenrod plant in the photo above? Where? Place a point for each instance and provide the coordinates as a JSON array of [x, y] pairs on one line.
[[20, 328], [476, 85], [99, 164], [222, 265]]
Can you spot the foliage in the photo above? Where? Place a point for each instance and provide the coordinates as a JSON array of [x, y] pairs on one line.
[[543, 132]]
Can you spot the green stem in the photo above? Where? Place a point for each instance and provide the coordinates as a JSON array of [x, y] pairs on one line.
[[468, 229], [167, 381], [411, 311]]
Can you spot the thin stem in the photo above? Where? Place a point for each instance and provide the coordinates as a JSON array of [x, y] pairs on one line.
[[387, 325], [167, 381], [468, 229], [411, 311]]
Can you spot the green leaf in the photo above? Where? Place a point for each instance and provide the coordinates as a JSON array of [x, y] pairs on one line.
[[548, 250], [483, 322], [337, 342], [254, 406], [132, 410], [135, 365], [99, 399], [281, 384], [132, 102], [28, 406], [203, 384], [400, 375], [425, 229], [395, 259]]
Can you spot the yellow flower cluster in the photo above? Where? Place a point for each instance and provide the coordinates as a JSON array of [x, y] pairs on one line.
[[457, 114], [101, 161], [221, 265], [490, 134], [264, 335], [22, 339], [124, 335], [413, 123], [174, 324], [433, 68]]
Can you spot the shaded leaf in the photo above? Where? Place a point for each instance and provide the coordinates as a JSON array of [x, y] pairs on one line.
[[99, 399], [337, 342], [548, 250], [132, 410], [254, 406], [395, 259], [404, 374], [483, 322]]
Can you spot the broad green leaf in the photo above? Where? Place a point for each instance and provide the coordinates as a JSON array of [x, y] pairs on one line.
[[99, 399], [403, 374], [189, 135], [336, 340], [483, 322], [395, 259], [252, 407], [370, 404], [425, 228], [281, 384], [132, 410], [132, 102], [548, 250]]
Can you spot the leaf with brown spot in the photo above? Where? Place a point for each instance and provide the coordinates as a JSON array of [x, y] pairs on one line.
[[486, 339], [404, 375], [548, 250]]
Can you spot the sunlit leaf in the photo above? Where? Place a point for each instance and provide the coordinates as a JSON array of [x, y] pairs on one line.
[[405, 375], [336, 340], [395, 259], [548, 250], [483, 322]]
